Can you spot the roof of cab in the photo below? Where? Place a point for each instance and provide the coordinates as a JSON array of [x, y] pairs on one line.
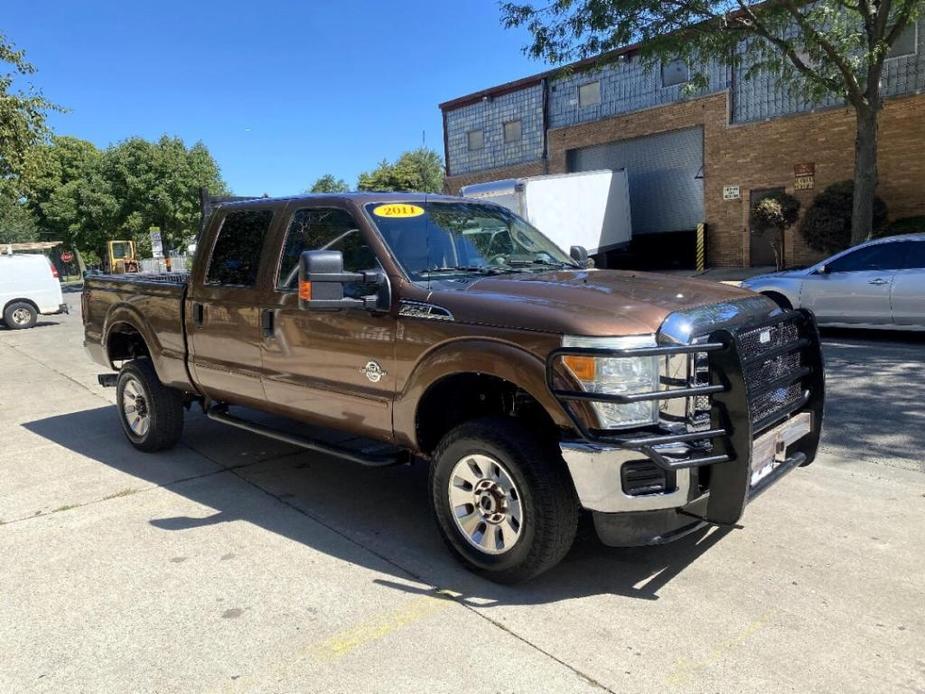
[[357, 197]]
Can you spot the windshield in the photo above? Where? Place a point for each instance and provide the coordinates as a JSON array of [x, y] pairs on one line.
[[457, 238]]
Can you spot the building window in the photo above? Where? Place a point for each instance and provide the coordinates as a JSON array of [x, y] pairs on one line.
[[476, 139], [906, 43], [675, 72], [513, 131], [589, 94]]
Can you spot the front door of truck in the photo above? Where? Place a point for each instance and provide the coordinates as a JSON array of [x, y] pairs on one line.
[[223, 310], [334, 368]]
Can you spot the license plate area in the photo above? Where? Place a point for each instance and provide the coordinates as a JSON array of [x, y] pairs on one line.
[[769, 451]]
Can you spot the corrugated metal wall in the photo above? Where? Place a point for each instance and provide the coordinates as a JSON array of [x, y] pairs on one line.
[[764, 97], [666, 193], [626, 86], [489, 116]]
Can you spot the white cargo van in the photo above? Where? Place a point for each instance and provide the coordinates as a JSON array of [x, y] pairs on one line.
[[590, 208], [29, 286]]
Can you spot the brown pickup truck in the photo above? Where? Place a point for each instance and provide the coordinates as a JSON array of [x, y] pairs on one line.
[[385, 327]]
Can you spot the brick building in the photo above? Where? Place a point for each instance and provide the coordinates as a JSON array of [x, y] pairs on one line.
[[691, 159]]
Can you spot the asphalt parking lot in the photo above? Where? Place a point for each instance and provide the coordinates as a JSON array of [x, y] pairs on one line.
[[237, 563]]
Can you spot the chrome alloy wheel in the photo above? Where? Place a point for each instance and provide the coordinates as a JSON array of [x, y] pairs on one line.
[[135, 407], [21, 316], [485, 504]]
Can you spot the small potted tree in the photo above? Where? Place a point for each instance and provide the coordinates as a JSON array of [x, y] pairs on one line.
[[775, 214]]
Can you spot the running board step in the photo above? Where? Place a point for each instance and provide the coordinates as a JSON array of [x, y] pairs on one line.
[[373, 454]]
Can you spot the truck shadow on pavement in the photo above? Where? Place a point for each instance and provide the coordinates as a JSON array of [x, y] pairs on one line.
[[375, 517]]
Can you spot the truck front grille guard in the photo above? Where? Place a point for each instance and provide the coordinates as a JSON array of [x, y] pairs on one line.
[[760, 364]]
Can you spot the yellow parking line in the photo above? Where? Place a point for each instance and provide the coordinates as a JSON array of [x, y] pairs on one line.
[[685, 669], [344, 642]]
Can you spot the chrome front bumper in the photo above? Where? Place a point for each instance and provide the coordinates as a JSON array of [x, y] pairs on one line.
[[596, 474], [596, 470]]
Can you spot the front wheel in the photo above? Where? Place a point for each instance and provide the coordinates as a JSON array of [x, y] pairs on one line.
[[151, 413], [503, 499]]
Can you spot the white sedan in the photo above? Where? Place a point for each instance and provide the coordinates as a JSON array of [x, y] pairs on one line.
[[878, 284]]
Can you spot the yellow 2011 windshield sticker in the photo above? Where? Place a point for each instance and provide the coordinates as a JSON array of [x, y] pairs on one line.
[[398, 210]]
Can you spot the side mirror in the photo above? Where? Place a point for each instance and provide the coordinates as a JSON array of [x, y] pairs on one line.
[[823, 270], [322, 279], [580, 255]]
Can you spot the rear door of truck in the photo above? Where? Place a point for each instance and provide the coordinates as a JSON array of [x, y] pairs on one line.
[[227, 287]]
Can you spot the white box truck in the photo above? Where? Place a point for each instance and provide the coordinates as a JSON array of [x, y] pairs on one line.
[[590, 208]]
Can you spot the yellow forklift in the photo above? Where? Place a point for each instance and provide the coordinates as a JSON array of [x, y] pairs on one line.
[[122, 257]]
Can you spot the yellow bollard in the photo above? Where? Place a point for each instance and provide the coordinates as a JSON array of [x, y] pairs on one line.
[[701, 247]]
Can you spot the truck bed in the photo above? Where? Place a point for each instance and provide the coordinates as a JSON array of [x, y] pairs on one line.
[[149, 304]]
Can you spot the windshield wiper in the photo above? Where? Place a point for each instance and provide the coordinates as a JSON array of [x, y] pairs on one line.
[[539, 261], [456, 269]]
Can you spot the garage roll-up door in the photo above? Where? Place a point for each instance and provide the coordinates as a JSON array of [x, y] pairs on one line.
[[666, 193]]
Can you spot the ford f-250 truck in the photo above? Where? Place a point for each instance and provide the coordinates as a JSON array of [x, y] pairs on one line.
[[452, 331]]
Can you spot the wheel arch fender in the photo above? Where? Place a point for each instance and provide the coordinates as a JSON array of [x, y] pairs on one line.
[[789, 290], [21, 300], [472, 356], [129, 316]]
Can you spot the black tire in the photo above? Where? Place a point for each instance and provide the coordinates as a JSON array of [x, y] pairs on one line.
[[163, 407], [549, 506], [20, 315]]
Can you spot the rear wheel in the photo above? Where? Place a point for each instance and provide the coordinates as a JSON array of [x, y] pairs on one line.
[[503, 500], [151, 414], [19, 315]]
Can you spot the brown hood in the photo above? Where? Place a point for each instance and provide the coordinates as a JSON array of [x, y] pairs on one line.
[[581, 302]]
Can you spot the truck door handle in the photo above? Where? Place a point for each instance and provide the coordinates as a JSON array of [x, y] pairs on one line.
[[266, 322], [199, 313], [879, 281]]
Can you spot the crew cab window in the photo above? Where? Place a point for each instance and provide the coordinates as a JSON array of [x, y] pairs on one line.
[[882, 256], [325, 229], [236, 255]]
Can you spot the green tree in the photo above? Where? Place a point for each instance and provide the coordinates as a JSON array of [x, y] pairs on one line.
[[329, 184], [157, 184], [828, 48], [419, 170], [86, 197], [66, 191], [22, 113], [17, 223]]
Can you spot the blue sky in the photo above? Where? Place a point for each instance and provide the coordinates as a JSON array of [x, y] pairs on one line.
[[280, 92]]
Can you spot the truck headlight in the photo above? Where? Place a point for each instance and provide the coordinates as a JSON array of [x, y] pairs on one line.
[[618, 376]]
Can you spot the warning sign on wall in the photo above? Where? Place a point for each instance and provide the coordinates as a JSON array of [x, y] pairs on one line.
[[804, 176]]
